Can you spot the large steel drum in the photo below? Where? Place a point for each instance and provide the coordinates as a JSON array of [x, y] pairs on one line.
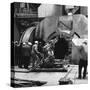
[[49, 26]]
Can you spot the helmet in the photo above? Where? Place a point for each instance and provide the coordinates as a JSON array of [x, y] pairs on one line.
[[70, 13], [24, 43], [36, 42], [29, 43]]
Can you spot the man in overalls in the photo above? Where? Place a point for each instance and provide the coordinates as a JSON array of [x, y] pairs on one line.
[[83, 62], [35, 55]]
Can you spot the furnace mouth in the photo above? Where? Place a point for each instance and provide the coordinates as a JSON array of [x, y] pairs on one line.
[[61, 48]]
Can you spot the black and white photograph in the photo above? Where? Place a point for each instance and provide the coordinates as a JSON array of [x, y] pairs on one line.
[[49, 44]]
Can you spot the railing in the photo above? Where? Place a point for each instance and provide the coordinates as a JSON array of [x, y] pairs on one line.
[[25, 13]]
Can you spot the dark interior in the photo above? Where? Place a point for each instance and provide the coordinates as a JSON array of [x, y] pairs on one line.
[[61, 48]]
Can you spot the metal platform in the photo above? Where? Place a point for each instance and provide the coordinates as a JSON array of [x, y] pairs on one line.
[[51, 78], [49, 70]]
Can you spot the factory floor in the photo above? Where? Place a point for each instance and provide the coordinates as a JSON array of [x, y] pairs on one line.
[[51, 78]]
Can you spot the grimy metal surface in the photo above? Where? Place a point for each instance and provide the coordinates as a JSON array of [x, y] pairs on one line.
[[52, 78]]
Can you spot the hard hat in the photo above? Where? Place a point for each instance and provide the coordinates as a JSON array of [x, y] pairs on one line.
[[36, 42], [24, 43], [29, 43], [70, 13]]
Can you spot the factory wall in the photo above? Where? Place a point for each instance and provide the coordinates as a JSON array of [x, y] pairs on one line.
[[16, 33], [45, 10], [84, 10]]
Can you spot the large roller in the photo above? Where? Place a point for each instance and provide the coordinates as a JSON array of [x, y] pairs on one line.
[[48, 28]]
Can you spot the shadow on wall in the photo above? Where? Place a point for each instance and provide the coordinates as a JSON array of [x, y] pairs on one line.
[[16, 33]]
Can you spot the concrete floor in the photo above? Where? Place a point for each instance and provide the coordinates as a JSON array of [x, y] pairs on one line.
[[51, 78]]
